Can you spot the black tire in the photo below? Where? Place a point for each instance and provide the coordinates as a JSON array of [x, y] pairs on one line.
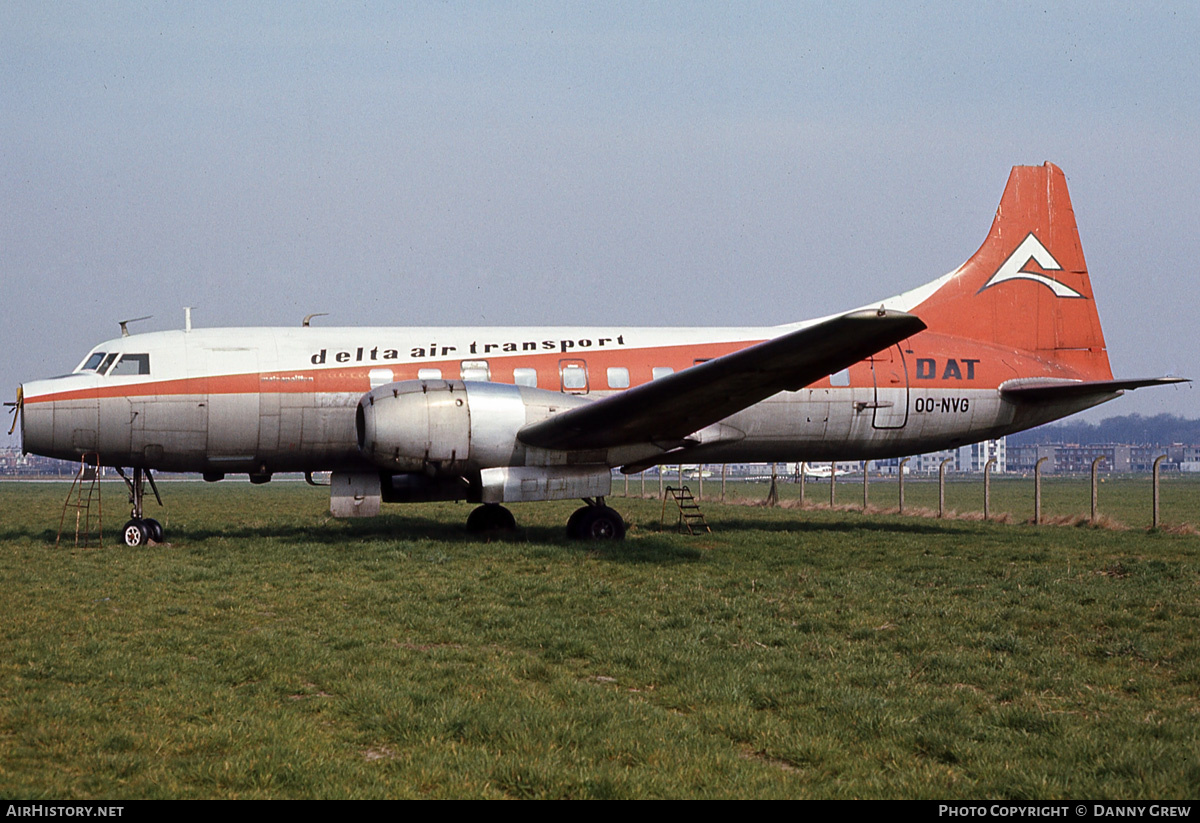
[[154, 530], [491, 517], [601, 523], [573, 531], [135, 534]]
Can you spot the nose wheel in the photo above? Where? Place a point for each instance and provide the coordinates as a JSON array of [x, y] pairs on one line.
[[140, 531]]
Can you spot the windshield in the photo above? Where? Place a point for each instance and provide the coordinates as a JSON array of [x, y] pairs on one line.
[[108, 361], [93, 362], [114, 363]]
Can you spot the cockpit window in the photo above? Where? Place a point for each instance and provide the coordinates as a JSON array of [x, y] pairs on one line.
[[93, 362], [131, 364], [108, 361]]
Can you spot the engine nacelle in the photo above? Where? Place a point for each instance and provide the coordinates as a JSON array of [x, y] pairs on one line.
[[448, 427]]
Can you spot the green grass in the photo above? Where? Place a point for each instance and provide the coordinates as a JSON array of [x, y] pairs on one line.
[[268, 651], [1123, 500]]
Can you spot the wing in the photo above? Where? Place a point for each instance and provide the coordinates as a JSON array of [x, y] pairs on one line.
[[667, 410]]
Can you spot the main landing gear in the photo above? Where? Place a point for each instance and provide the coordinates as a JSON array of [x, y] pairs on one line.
[[491, 517], [595, 521], [140, 530]]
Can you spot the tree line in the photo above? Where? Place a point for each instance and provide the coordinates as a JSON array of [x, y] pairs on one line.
[[1135, 429]]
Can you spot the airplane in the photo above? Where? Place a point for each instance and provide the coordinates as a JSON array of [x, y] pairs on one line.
[[822, 471], [1007, 341]]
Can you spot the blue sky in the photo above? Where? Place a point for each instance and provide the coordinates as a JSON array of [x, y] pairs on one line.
[[667, 163]]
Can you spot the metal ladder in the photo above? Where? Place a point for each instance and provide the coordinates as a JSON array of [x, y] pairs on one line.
[[691, 518], [84, 489]]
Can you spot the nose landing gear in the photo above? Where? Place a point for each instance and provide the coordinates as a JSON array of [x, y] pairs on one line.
[[140, 530]]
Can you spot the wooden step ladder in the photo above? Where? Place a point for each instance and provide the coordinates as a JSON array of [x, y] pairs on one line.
[[691, 519], [85, 489]]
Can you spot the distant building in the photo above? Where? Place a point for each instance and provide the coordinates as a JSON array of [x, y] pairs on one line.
[[15, 464], [1121, 458], [974, 458], [968, 459]]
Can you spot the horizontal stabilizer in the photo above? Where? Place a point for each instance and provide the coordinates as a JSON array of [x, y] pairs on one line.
[[669, 409], [1040, 391]]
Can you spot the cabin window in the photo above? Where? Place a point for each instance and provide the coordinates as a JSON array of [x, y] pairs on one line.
[[429, 374], [477, 370], [93, 362], [131, 364], [660, 371], [525, 377], [380, 377], [618, 377], [841, 378], [574, 376]]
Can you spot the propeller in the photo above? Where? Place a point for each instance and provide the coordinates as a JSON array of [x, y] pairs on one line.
[[16, 408]]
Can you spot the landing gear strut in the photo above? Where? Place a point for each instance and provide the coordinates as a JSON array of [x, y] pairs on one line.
[[140, 530], [596, 521]]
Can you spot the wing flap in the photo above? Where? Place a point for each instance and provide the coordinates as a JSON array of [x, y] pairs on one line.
[[669, 409]]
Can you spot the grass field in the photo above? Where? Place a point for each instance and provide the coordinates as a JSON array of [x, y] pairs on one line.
[[268, 651]]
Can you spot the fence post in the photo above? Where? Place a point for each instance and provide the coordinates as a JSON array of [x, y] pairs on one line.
[[1157, 460], [942, 486], [724, 466], [1095, 468], [865, 476], [987, 487], [1037, 490], [900, 474], [832, 481]]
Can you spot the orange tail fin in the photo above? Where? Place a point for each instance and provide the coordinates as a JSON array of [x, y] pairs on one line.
[[1027, 287]]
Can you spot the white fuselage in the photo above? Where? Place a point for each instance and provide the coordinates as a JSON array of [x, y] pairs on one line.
[[270, 400]]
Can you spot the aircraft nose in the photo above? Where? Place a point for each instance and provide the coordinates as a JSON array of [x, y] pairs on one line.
[[37, 435], [53, 426]]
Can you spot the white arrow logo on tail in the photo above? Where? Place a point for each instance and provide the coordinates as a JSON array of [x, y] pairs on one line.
[[1014, 268]]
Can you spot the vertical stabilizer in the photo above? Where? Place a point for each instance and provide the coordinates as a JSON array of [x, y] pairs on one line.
[[1027, 287]]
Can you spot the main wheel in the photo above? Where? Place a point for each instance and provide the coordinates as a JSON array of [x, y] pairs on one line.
[[135, 534], [491, 517], [154, 530], [573, 522], [600, 523]]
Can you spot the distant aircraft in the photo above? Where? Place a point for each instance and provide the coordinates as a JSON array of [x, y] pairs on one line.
[[1009, 340], [822, 471]]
